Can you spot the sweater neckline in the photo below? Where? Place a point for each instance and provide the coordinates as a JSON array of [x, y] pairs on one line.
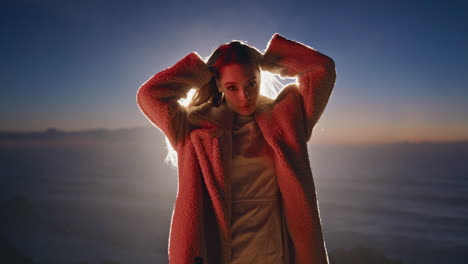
[[240, 120]]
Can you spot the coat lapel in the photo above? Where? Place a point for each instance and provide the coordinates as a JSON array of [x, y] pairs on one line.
[[212, 144]]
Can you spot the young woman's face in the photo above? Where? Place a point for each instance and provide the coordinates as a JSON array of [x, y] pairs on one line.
[[240, 84]]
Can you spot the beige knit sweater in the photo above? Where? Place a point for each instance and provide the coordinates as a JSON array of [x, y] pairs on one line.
[[256, 210]]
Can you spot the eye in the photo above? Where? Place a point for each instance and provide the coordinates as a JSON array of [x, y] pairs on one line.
[[231, 88], [253, 83]]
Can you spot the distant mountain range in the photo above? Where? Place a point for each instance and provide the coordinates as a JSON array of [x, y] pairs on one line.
[[92, 135]]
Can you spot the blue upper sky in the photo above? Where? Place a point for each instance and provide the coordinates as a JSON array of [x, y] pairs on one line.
[[401, 65]]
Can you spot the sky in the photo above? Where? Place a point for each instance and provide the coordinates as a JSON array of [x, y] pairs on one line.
[[77, 65]]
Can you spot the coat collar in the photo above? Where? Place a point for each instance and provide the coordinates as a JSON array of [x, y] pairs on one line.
[[207, 115]]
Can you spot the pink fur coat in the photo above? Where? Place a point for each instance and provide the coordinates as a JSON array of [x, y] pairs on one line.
[[202, 138]]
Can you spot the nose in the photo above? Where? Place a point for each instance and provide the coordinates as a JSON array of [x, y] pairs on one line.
[[245, 94]]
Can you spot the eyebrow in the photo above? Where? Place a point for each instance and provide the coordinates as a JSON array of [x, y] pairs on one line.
[[226, 83]]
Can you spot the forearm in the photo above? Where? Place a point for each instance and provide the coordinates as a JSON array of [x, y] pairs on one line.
[[174, 82], [289, 58]]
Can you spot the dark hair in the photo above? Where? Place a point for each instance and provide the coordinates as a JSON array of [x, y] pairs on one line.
[[232, 52]]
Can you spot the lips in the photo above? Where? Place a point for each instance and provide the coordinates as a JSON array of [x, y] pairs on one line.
[[247, 105]]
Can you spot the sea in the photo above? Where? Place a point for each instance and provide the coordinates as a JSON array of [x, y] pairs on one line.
[[111, 201]]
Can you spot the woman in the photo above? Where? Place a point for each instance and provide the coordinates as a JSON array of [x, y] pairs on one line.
[[245, 192]]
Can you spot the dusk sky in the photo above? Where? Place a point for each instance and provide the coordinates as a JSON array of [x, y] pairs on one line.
[[74, 65]]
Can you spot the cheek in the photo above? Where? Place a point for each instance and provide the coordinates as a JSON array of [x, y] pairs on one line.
[[255, 91], [232, 99]]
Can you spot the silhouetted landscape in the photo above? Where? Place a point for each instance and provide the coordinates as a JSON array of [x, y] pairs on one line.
[[106, 196]]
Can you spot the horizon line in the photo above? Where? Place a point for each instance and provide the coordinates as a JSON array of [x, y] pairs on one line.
[[338, 142]]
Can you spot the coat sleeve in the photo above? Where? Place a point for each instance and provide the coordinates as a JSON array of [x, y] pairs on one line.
[[158, 97], [314, 70]]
